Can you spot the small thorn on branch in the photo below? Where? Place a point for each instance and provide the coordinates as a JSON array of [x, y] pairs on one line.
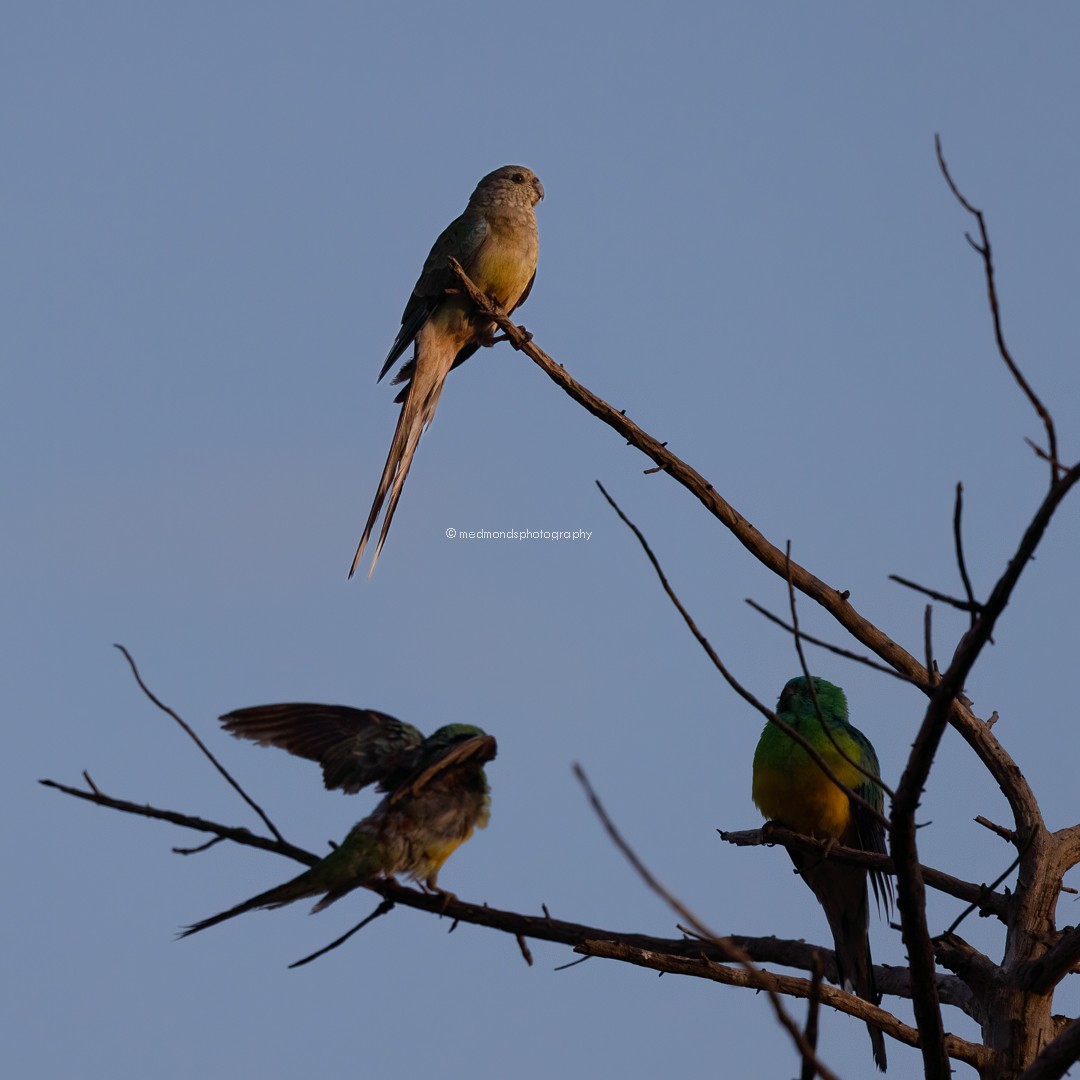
[[196, 850], [524, 947]]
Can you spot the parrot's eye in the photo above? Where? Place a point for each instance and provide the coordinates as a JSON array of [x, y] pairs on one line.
[[518, 178]]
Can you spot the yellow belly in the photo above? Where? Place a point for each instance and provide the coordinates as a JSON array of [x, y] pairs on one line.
[[804, 800], [789, 787], [435, 854]]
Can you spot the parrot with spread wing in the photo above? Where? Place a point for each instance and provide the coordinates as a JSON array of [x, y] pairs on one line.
[[496, 242], [436, 794], [790, 788]]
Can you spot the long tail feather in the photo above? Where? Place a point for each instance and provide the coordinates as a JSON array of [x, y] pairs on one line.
[[277, 897], [841, 891], [435, 357]]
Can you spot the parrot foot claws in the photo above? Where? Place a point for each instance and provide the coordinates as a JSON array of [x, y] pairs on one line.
[[446, 894], [526, 337]]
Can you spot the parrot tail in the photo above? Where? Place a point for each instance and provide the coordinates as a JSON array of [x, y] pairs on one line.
[[434, 358], [301, 886], [841, 891]]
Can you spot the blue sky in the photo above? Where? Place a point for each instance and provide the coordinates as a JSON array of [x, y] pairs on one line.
[[212, 217]]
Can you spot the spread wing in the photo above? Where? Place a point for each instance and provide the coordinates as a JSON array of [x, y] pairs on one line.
[[478, 750], [355, 747]]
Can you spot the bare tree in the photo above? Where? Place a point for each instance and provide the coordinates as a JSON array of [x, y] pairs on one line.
[[1010, 996]]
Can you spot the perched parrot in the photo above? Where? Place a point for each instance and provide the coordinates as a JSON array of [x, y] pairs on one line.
[[495, 240], [790, 789], [436, 794]]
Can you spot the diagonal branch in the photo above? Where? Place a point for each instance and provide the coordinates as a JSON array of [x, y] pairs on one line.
[[975, 733], [807, 1051]]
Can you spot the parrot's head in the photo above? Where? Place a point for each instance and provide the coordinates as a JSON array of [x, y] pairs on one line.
[[513, 183], [469, 741], [796, 698]]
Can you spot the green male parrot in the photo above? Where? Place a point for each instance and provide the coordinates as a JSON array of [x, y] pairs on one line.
[[436, 794], [495, 240], [790, 789]]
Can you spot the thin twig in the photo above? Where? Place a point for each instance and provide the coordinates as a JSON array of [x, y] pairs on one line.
[[836, 650], [641, 869], [974, 905], [200, 848], [958, 541], [911, 889], [385, 907], [928, 639], [944, 598], [739, 689], [201, 745], [237, 834], [983, 248], [735, 954]]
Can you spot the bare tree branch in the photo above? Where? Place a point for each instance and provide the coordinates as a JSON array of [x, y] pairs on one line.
[[975, 732], [983, 248], [944, 598], [960, 1049], [911, 894], [769, 950], [201, 745], [981, 897], [383, 909], [806, 1049], [836, 650], [237, 834]]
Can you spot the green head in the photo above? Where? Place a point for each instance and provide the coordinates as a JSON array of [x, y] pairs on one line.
[[451, 734], [457, 744], [797, 700]]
